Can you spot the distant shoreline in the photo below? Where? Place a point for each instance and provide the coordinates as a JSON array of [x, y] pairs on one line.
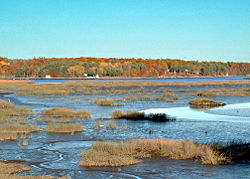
[[120, 77]]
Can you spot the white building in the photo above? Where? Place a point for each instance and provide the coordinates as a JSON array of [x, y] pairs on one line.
[[47, 76]]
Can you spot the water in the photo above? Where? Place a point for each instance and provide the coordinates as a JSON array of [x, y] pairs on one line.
[[59, 155], [186, 80]]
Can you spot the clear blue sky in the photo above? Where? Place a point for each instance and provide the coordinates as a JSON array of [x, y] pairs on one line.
[[187, 29]]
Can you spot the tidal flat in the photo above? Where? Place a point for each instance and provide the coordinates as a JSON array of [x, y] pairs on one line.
[[68, 120]]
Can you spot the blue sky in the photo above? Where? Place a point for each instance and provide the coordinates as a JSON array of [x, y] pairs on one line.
[[186, 29]]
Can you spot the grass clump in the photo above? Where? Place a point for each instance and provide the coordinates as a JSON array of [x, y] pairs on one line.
[[108, 154], [160, 98], [205, 102], [11, 131], [203, 94], [169, 95], [130, 99], [20, 112], [64, 128], [5, 92], [111, 125], [6, 105], [106, 103], [206, 94], [9, 171], [134, 115], [63, 112], [18, 128], [16, 111], [97, 125], [8, 136], [117, 114], [236, 151], [143, 98]]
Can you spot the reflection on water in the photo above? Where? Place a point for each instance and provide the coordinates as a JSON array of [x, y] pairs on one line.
[[233, 112], [241, 109]]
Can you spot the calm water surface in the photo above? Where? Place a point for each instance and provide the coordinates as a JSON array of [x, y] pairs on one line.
[[186, 80]]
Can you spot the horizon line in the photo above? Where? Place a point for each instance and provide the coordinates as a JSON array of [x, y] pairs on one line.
[[128, 57]]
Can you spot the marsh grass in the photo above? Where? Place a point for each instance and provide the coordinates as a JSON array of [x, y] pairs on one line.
[[19, 119], [106, 103], [206, 94], [203, 94], [10, 131], [63, 112], [98, 125], [130, 99], [169, 97], [63, 120], [64, 128], [9, 171], [222, 92], [8, 136], [25, 142], [170, 100], [205, 102], [161, 98], [109, 154], [143, 98], [133, 115], [117, 114], [46, 119], [18, 128], [6, 92], [111, 125], [6, 105], [98, 87], [4, 118], [236, 151], [22, 111]]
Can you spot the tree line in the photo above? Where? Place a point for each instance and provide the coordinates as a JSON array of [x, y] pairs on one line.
[[114, 67]]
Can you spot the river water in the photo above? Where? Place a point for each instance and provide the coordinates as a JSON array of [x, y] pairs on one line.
[[186, 80]]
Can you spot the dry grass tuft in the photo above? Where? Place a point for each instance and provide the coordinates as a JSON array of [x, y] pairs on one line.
[[111, 125], [106, 103], [117, 114], [5, 105], [16, 111], [160, 98], [206, 94], [9, 171], [18, 128], [11, 131], [64, 128], [128, 153], [98, 125], [205, 102], [63, 112]]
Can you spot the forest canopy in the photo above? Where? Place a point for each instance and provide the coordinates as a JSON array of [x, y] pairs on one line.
[[114, 67]]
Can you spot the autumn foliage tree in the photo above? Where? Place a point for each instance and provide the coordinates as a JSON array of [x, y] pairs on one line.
[[114, 67]]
